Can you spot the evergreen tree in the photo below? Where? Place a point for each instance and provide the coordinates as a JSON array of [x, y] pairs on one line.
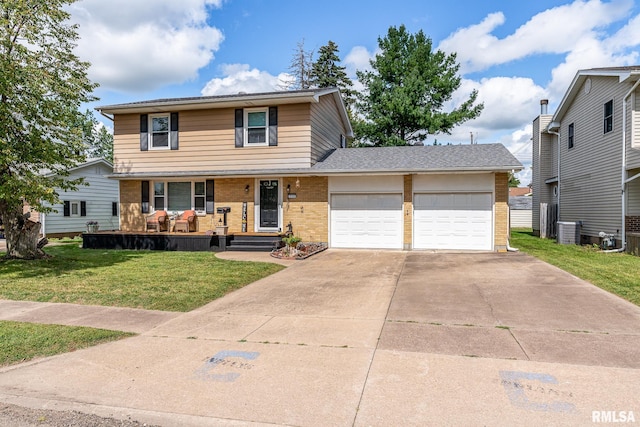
[[42, 85], [326, 72], [406, 92], [98, 140]]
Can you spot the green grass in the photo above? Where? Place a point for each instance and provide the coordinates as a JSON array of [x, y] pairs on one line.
[[617, 273], [20, 342], [158, 280]]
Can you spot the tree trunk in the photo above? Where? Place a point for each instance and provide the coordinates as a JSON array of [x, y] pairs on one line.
[[22, 236]]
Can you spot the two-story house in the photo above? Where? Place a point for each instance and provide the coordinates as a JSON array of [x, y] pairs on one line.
[[280, 158], [586, 157]]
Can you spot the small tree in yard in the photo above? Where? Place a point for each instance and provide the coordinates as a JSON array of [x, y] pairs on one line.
[[406, 92], [42, 84]]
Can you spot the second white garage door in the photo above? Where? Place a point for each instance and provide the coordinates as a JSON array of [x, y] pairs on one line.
[[456, 221], [368, 221]]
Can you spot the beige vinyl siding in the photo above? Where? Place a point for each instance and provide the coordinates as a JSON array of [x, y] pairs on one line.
[[207, 143], [544, 149], [590, 171], [326, 128]]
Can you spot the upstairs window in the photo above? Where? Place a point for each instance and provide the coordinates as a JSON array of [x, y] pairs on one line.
[[570, 134], [256, 129], [159, 131], [608, 116], [159, 135]]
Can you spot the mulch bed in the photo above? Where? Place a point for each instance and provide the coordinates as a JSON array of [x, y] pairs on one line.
[[302, 251]]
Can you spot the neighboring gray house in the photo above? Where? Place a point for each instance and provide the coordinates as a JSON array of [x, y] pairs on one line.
[[586, 156], [96, 202]]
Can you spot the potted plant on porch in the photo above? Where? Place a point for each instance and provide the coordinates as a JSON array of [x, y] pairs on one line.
[[92, 226]]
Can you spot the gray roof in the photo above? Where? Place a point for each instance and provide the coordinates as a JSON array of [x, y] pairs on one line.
[[441, 158], [378, 160]]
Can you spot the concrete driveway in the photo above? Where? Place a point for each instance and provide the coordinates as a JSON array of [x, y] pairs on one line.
[[367, 338]]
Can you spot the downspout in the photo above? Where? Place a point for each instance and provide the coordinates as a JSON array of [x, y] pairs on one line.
[[623, 171], [557, 134]]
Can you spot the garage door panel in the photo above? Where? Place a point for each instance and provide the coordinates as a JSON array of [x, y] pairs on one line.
[[366, 221], [458, 221]]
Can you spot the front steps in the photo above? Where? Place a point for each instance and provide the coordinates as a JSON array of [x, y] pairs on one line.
[[253, 242]]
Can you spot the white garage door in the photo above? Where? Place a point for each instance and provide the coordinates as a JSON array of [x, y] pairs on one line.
[[368, 221], [457, 221]]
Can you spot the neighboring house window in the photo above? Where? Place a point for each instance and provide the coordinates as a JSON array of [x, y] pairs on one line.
[[256, 126], [179, 195], [75, 208], [114, 208], [608, 116], [570, 132], [159, 131]]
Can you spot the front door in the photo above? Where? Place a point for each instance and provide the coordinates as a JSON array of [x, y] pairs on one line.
[[269, 203]]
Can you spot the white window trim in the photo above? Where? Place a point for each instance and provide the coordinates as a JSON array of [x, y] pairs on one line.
[[150, 133], [264, 110], [166, 196], [77, 203]]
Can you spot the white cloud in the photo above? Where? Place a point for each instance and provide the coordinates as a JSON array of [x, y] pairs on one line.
[[133, 46], [243, 78], [556, 30]]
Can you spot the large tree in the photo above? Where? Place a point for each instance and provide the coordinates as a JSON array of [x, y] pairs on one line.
[[300, 69], [42, 85], [96, 137], [407, 90], [326, 72]]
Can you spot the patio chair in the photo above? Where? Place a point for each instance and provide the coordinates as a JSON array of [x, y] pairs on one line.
[[186, 222], [159, 221]]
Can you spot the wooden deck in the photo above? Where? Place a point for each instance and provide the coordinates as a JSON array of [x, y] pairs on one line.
[[177, 241]]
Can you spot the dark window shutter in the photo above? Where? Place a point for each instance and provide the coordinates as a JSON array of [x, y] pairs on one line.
[[67, 208], [174, 131], [114, 208], [83, 208], [239, 128], [273, 126], [209, 197], [145, 196], [144, 132]]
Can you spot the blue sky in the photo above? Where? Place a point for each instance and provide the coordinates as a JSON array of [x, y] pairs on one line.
[[513, 53]]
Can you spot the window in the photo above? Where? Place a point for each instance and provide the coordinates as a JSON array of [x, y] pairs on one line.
[[179, 196], [199, 196], [256, 129], [608, 116], [114, 208], [159, 131], [158, 196], [75, 208], [159, 135], [570, 134]]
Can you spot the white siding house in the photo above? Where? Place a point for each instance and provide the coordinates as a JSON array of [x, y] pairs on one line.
[[97, 201]]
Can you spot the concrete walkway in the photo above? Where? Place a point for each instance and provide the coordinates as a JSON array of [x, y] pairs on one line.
[[366, 338]]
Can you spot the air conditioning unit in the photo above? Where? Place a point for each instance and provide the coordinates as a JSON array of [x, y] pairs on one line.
[[569, 233]]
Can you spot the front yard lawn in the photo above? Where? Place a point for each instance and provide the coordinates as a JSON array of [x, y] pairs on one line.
[[153, 280], [20, 342], [617, 273]]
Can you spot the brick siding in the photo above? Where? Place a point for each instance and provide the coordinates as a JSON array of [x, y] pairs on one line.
[[501, 231]]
